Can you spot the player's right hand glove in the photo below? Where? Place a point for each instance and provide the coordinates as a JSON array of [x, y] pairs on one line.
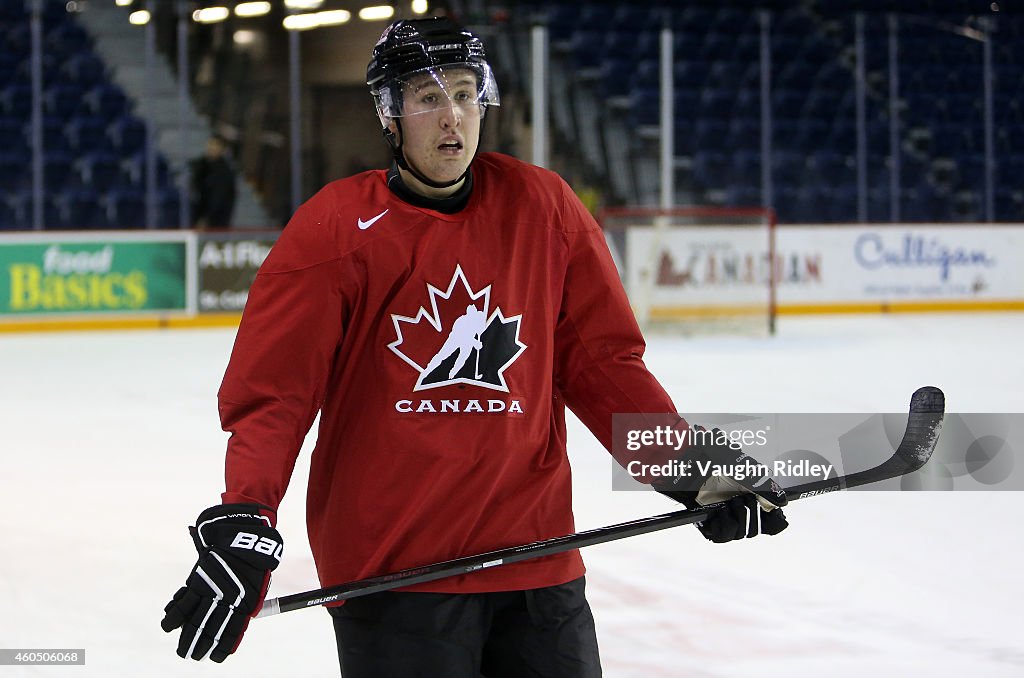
[[752, 499], [238, 548]]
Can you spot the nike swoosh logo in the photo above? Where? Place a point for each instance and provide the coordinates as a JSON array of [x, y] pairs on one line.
[[363, 225]]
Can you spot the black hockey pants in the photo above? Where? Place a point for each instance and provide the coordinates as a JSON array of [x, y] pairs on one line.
[[539, 633]]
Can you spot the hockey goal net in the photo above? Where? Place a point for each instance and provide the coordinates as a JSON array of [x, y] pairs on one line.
[[696, 269]]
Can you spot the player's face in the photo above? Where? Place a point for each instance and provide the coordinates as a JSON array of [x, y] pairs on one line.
[[440, 127]]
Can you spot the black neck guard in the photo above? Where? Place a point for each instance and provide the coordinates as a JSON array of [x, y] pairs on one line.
[[450, 205]]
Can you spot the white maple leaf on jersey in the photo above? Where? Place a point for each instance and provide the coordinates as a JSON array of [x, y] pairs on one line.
[[467, 343]]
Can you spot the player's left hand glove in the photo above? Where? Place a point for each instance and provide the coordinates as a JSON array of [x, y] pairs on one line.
[[238, 548], [752, 499]]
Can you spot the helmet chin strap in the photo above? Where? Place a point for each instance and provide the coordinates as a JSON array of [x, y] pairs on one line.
[[400, 160]]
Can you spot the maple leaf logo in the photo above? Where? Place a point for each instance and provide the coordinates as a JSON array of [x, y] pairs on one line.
[[457, 338]]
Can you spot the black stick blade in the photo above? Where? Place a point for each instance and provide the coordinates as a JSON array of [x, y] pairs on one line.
[[924, 423], [927, 407]]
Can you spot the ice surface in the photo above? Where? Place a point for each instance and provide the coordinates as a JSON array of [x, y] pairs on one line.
[[111, 445]]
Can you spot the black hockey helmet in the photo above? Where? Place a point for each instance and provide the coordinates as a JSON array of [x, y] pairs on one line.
[[408, 48]]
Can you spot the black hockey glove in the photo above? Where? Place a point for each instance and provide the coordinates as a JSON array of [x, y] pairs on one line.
[[717, 470], [238, 548]]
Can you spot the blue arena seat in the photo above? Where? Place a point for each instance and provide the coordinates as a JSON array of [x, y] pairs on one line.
[[718, 103], [15, 169], [713, 169], [88, 133], [55, 139], [747, 48], [105, 99], [16, 100], [683, 141], [711, 134], [10, 219], [17, 36], [788, 103], [1009, 205], [617, 77], [789, 168], [9, 62], [67, 37], [99, 170], [688, 74], [744, 196], [13, 135], [786, 133], [57, 170], [746, 169], [718, 46], [692, 17], [84, 69], [745, 133], [647, 72], [62, 100], [81, 208], [832, 169], [127, 134], [813, 133], [134, 168], [125, 208], [636, 18]]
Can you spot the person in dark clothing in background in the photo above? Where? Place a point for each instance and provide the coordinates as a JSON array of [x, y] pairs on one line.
[[213, 181]]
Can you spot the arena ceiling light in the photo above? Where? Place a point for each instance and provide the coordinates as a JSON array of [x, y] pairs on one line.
[[210, 15], [123, 3], [304, 22], [248, 9], [139, 18], [333, 17], [300, 22], [303, 4], [376, 12], [419, 6]]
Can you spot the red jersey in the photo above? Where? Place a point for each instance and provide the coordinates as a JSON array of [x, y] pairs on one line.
[[441, 350]]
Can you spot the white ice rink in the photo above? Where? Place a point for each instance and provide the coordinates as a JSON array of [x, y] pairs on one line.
[[111, 445]]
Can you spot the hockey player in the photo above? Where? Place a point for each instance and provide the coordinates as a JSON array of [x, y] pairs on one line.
[[356, 305], [464, 339]]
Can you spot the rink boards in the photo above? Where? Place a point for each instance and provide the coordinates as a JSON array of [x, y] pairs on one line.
[[117, 279]]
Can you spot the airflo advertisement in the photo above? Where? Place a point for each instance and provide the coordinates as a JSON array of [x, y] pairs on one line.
[[227, 266]]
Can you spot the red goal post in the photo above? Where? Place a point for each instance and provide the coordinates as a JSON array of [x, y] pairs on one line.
[[696, 269]]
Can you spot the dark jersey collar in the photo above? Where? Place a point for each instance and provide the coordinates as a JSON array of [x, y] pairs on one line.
[[450, 205]]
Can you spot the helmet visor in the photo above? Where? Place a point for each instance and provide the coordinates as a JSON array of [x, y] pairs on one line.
[[469, 88]]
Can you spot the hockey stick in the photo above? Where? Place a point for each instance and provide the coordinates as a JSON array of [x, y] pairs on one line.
[[927, 407]]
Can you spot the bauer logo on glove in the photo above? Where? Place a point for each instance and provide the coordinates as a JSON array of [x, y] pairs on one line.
[[264, 545]]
